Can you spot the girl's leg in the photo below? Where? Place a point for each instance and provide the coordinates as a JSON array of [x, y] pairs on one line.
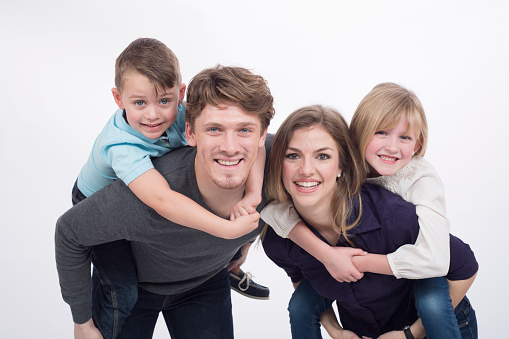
[[305, 309], [114, 286], [433, 303], [467, 321]]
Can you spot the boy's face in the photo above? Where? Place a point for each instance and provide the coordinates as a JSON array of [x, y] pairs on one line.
[[227, 141], [391, 150], [147, 113]]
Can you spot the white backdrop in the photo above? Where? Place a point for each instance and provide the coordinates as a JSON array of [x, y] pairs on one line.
[[57, 66]]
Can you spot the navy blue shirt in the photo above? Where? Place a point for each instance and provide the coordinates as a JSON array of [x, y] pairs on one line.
[[376, 303]]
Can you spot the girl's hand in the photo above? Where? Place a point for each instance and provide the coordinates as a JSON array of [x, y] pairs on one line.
[[340, 266]]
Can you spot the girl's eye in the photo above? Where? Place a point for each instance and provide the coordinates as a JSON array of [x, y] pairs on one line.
[[404, 137], [292, 156], [323, 156], [139, 103], [380, 133]]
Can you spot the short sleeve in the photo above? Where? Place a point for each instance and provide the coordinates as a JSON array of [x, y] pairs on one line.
[[129, 161]]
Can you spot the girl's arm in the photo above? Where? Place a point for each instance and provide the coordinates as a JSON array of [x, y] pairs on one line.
[[154, 191], [254, 184], [286, 222]]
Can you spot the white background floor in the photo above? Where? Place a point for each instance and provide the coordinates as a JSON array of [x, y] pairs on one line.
[[56, 70]]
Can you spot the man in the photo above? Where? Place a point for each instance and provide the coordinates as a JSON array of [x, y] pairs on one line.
[[181, 271]]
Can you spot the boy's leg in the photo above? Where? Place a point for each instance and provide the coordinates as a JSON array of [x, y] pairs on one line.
[[467, 321], [242, 283], [203, 312], [142, 321], [433, 303], [305, 309], [114, 286]]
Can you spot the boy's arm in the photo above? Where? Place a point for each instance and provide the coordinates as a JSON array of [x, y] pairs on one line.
[[254, 186], [154, 191]]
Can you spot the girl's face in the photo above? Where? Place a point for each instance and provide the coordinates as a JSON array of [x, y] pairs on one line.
[[391, 150], [310, 167]]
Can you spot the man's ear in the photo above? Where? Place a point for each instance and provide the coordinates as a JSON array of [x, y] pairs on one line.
[[262, 138], [182, 93], [191, 140], [117, 97]]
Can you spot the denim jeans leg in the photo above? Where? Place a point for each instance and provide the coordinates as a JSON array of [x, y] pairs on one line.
[[142, 321], [467, 320], [202, 312], [433, 303], [114, 286], [305, 308]]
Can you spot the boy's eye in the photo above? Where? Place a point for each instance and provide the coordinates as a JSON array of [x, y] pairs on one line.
[[292, 156], [323, 156], [165, 101], [139, 103]]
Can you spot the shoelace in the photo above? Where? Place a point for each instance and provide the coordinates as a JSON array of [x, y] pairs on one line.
[[247, 276]]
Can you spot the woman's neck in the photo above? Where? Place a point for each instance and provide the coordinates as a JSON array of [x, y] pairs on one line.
[[322, 220]]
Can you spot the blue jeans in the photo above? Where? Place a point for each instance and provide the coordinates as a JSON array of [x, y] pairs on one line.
[[202, 312], [433, 303], [305, 309], [114, 282]]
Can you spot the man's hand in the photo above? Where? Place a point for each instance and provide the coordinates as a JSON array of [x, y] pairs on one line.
[[87, 331]]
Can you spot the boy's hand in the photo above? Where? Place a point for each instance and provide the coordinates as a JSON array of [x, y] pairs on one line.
[[339, 263], [87, 331], [393, 335], [246, 206], [242, 225]]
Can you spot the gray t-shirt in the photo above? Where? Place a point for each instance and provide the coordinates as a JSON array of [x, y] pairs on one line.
[[169, 258]]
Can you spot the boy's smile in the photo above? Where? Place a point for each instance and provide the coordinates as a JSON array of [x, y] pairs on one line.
[[146, 112]]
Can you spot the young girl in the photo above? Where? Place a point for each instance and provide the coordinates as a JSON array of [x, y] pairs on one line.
[[390, 129]]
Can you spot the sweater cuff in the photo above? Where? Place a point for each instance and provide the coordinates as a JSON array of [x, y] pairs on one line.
[[82, 313]]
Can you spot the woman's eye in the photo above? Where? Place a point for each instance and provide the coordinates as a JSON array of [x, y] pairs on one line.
[[292, 156], [323, 157]]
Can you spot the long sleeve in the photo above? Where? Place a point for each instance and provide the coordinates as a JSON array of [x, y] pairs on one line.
[[430, 255], [282, 217]]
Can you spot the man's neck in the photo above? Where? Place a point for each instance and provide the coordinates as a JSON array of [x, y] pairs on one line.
[[219, 200]]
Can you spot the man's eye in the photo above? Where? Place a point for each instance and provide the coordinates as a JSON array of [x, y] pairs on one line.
[[212, 129], [245, 130]]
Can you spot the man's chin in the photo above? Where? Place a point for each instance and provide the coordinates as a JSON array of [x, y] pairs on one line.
[[229, 183]]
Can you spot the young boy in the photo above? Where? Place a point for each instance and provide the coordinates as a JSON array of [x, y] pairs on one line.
[[149, 123]]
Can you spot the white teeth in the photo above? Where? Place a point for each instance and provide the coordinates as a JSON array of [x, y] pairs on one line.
[[307, 184], [228, 163], [384, 157]]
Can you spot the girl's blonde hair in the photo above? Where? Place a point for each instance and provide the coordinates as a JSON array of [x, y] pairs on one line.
[[353, 174], [381, 109]]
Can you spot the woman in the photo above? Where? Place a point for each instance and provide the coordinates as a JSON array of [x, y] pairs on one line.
[[314, 164]]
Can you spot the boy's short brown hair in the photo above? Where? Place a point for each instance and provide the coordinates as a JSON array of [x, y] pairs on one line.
[[151, 58], [229, 86]]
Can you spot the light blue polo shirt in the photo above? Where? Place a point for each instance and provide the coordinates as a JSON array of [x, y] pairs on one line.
[[122, 152]]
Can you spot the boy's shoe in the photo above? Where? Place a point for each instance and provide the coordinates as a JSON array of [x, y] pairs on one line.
[[243, 284]]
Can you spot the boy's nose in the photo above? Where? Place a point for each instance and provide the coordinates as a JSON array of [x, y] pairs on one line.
[[151, 113]]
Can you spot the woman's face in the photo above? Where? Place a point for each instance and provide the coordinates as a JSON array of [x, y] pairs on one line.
[[311, 167]]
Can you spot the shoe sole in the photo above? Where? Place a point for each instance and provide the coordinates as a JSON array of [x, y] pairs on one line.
[[249, 295]]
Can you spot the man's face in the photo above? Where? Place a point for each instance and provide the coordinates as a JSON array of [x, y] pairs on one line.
[[227, 141]]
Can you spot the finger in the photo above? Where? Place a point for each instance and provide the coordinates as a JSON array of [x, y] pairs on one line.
[[243, 211], [232, 216]]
